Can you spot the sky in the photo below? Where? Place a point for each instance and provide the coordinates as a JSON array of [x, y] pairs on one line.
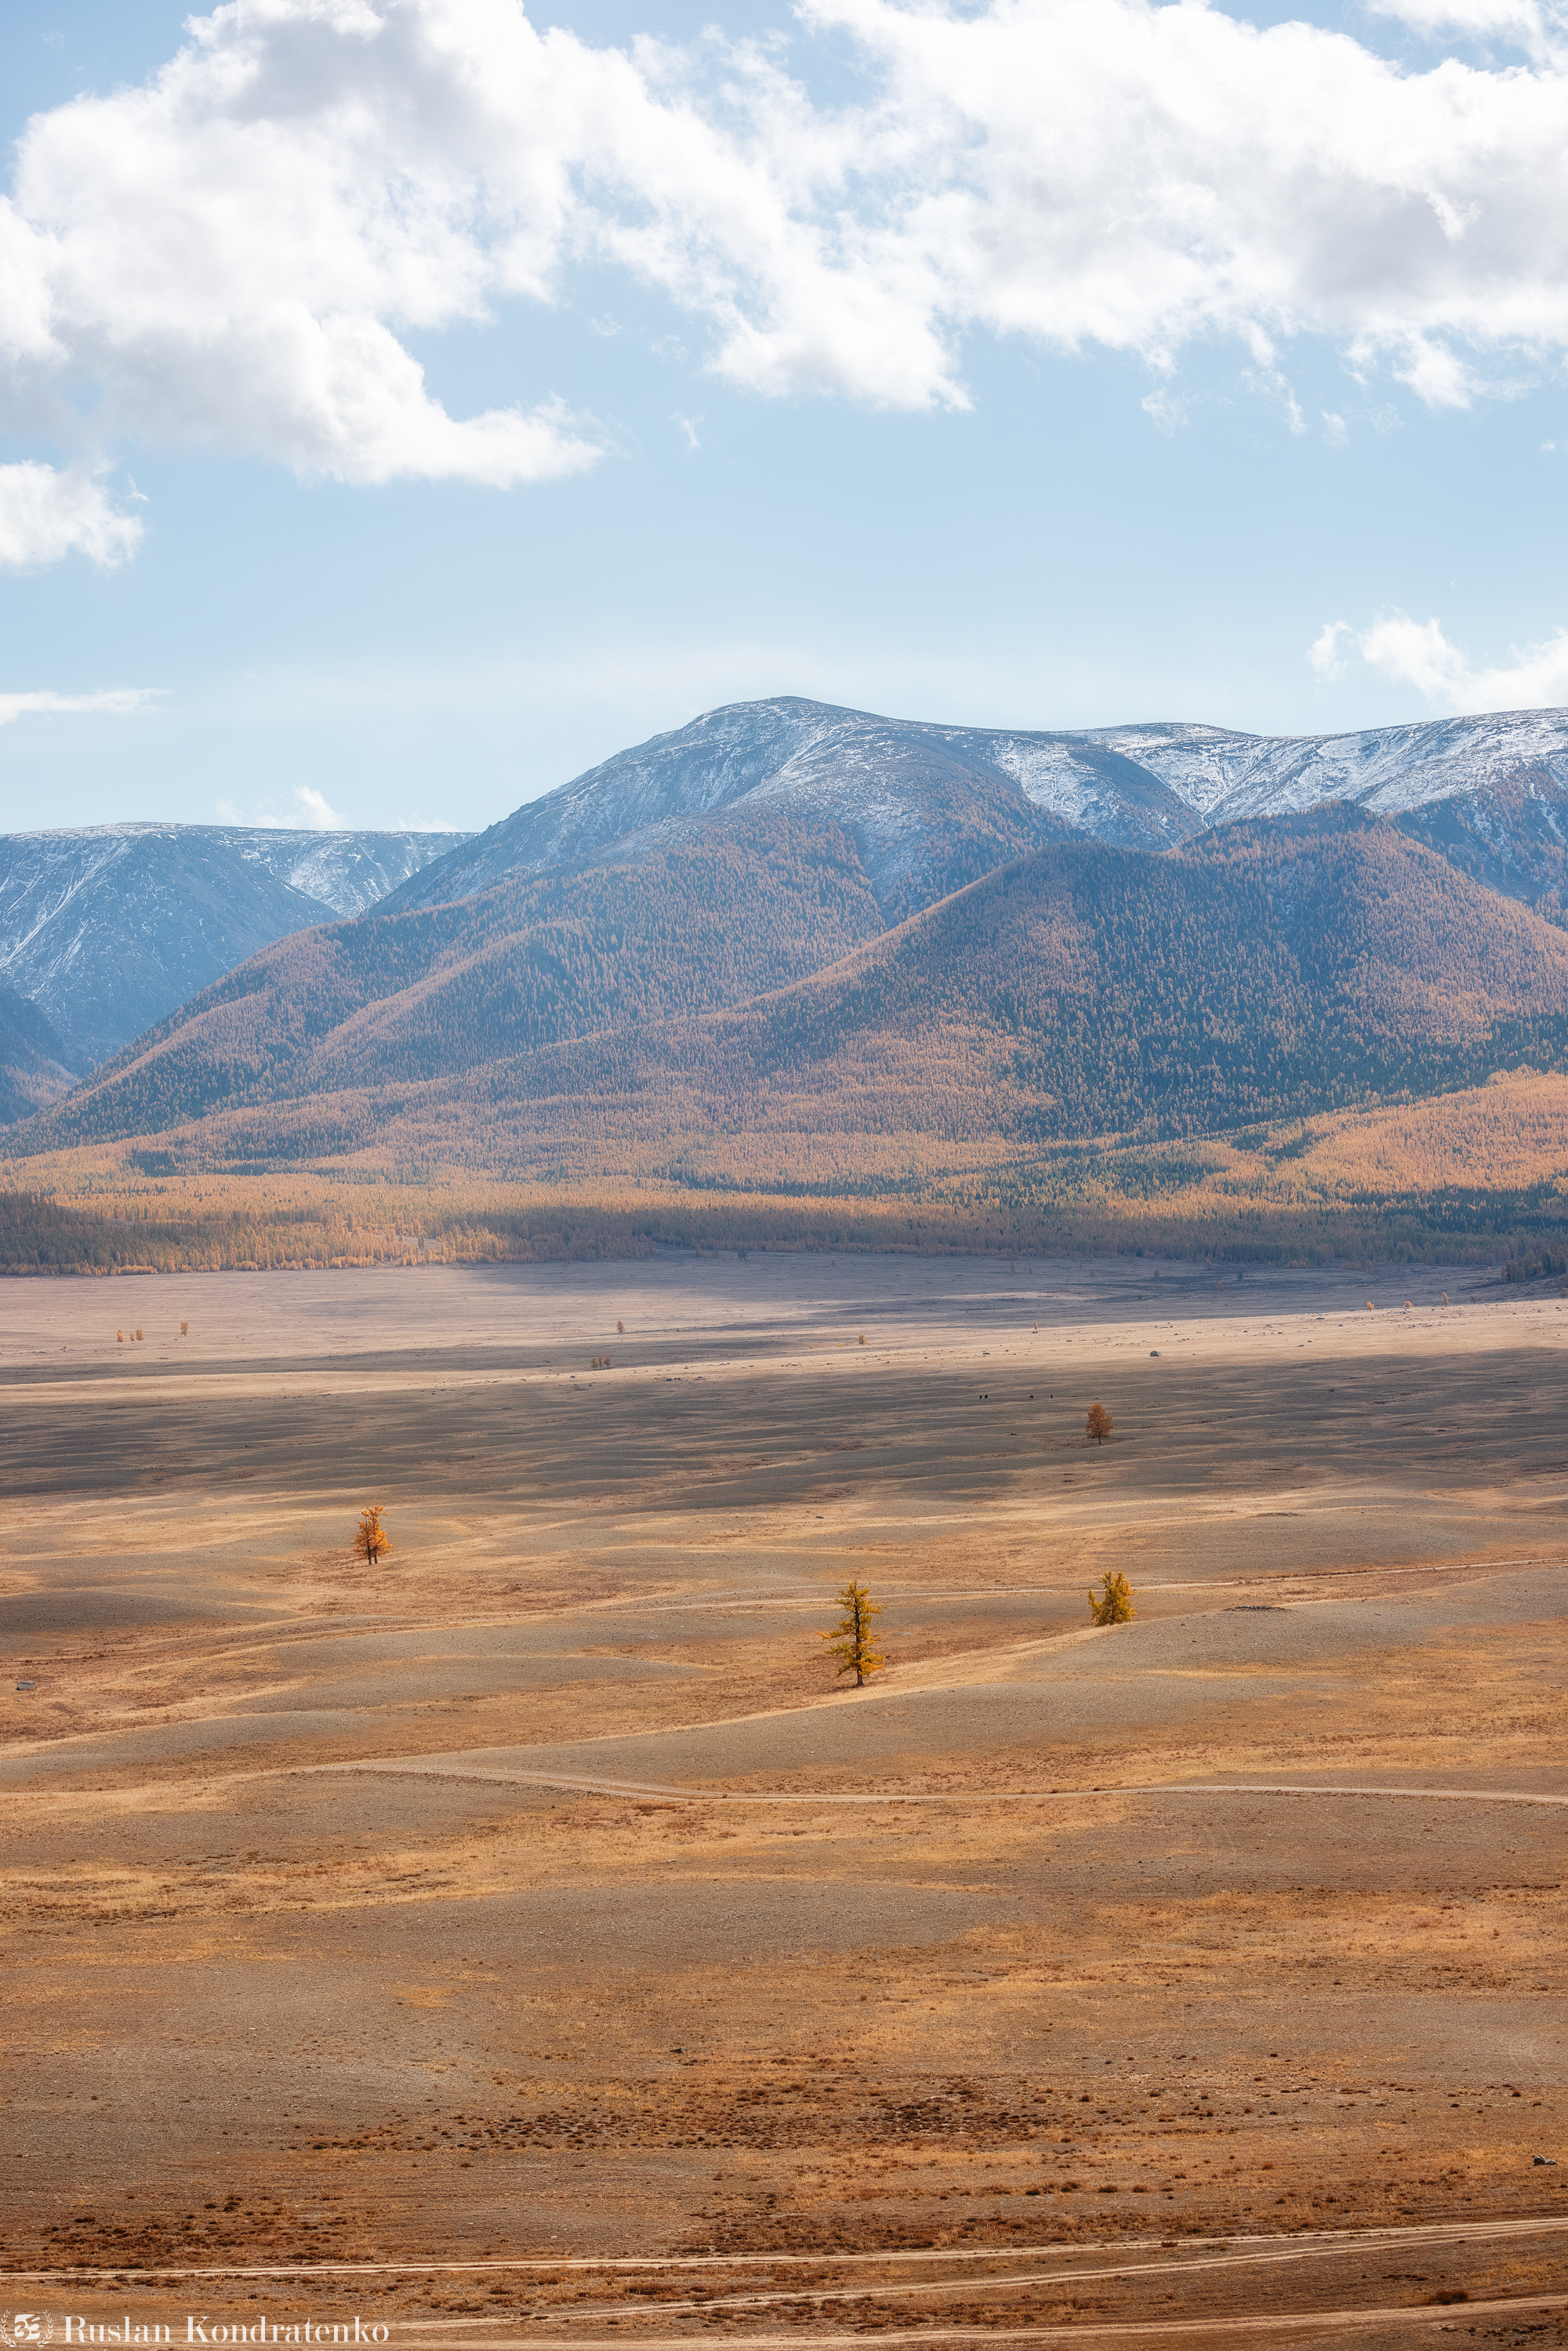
[[405, 405]]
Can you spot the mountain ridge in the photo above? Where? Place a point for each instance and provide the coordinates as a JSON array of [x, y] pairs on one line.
[[925, 802], [1292, 965]]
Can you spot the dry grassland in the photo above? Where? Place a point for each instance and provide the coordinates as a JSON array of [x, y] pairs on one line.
[[535, 1895]]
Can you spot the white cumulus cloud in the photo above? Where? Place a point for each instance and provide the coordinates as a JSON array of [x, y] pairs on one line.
[[233, 253], [242, 252], [1419, 654], [46, 513], [1103, 171]]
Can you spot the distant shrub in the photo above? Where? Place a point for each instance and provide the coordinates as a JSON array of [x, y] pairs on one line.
[[1114, 1603]]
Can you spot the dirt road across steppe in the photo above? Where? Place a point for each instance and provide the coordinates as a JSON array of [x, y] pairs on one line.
[[427, 1948]]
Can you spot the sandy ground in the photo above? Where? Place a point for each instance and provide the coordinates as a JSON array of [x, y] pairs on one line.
[[380, 1942]]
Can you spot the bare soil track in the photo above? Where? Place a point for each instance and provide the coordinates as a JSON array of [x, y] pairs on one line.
[[395, 1942]]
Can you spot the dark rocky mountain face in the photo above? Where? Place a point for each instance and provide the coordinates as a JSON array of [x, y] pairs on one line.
[[930, 808], [106, 930]]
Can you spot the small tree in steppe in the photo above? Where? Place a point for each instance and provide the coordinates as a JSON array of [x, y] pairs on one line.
[[849, 1640], [372, 1538], [1098, 1425], [1112, 1605]]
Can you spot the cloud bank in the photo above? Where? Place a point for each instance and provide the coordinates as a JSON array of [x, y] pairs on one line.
[[117, 700], [310, 812], [1419, 654], [241, 253]]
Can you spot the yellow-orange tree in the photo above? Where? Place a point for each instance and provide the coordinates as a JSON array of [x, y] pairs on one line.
[[1114, 1603], [372, 1538], [1099, 1423], [850, 1639]]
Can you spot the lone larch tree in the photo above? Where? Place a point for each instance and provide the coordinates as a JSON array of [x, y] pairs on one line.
[[372, 1538], [849, 1640], [1097, 1427], [1113, 1603]]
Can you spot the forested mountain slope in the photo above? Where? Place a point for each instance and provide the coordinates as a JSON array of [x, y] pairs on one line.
[[628, 1011], [109, 930], [1272, 969], [701, 922]]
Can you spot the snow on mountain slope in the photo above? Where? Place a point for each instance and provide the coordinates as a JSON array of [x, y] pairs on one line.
[[348, 871], [927, 804], [1387, 769], [109, 928], [928, 807]]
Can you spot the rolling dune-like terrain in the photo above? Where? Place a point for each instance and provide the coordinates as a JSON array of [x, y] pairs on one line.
[[382, 1942]]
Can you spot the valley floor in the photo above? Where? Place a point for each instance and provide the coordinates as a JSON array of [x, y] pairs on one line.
[[525, 1938]]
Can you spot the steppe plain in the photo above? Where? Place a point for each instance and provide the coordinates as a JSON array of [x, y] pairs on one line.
[[381, 1942]]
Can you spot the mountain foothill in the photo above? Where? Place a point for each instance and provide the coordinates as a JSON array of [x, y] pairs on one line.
[[791, 945]]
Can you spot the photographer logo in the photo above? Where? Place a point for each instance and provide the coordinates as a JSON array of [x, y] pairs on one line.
[[21, 2328]]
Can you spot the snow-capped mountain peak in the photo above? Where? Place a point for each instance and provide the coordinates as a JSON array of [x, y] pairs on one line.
[[925, 803]]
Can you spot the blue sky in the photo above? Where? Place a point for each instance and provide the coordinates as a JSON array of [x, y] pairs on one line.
[[838, 387]]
